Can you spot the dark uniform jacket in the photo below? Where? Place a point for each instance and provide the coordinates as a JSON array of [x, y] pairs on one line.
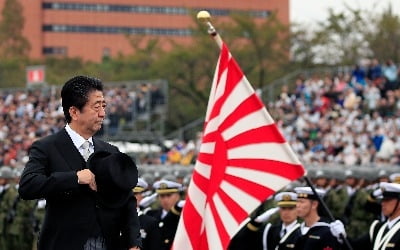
[[167, 225], [378, 233], [251, 238], [73, 213], [318, 237], [149, 232], [288, 241]]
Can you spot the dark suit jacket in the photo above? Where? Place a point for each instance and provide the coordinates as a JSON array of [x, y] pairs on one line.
[[72, 212]]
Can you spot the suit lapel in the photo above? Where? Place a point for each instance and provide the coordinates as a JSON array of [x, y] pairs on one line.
[[69, 152], [98, 146]]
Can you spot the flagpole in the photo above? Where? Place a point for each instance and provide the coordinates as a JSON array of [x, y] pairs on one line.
[[205, 17], [325, 207]]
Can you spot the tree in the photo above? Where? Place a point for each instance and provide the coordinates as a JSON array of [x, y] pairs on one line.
[[340, 39], [302, 43], [260, 47], [12, 43], [384, 36], [189, 72]]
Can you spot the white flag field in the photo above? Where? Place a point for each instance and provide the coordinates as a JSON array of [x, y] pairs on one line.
[[243, 159]]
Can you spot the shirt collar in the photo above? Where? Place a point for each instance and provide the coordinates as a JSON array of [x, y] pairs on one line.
[[290, 226], [392, 222], [76, 138]]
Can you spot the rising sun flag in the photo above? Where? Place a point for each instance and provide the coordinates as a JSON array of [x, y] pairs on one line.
[[243, 159]]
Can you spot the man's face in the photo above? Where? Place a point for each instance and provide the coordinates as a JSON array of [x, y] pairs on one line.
[[139, 197], [89, 120], [351, 181], [167, 201], [321, 182], [303, 207], [288, 214], [388, 205]]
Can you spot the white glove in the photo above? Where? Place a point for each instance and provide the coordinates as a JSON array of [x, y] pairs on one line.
[[337, 229], [377, 194], [41, 204], [266, 215], [146, 201], [181, 203]]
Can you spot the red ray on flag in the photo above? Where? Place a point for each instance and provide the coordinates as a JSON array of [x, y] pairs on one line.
[[243, 159]]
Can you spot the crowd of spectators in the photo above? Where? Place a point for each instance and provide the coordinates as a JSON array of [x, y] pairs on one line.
[[349, 118], [26, 115]]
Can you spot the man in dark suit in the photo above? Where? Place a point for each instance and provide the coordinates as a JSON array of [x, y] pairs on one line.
[[57, 171]]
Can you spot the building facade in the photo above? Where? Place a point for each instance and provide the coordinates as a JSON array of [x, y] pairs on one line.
[[92, 29]]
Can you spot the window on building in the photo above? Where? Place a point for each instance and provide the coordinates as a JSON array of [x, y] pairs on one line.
[[144, 9], [60, 51]]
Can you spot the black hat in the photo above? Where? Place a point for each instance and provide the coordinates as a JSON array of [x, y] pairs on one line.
[[116, 174]]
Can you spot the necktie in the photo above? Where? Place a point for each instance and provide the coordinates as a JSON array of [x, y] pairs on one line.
[[283, 232], [386, 230], [86, 150]]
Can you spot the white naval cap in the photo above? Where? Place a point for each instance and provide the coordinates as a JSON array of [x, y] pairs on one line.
[[307, 193], [286, 199], [349, 174], [320, 174], [395, 177], [166, 187], [382, 173], [390, 190], [140, 186]]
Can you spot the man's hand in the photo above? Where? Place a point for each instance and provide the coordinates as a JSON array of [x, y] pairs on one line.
[[266, 215], [85, 176], [148, 200], [338, 230], [134, 248]]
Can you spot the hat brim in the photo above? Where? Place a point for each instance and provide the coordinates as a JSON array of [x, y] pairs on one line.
[[287, 203], [116, 175], [167, 191]]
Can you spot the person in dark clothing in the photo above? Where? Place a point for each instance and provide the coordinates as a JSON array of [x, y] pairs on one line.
[[149, 230], [315, 231], [382, 235], [168, 214], [57, 171], [256, 235]]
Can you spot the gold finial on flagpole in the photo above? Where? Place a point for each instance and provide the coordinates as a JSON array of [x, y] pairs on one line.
[[205, 17]]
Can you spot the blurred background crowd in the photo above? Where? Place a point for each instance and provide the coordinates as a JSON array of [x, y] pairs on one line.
[[347, 118]]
